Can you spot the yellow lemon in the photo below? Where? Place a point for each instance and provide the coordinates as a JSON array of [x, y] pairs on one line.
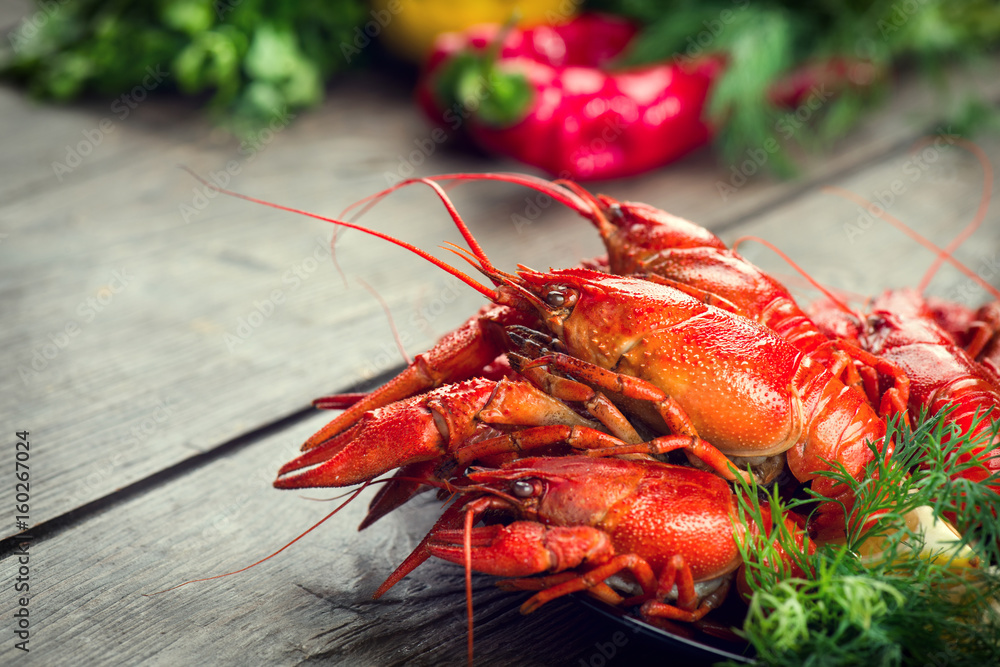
[[940, 541], [408, 27]]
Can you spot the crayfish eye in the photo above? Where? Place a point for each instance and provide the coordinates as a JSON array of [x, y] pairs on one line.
[[559, 297], [615, 211], [524, 488]]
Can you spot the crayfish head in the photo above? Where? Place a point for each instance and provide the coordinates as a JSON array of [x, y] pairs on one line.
[[633, 233], [599, 317], [554, 295], [565, 490]]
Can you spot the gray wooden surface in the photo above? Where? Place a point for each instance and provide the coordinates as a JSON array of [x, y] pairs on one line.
[[159, 414]]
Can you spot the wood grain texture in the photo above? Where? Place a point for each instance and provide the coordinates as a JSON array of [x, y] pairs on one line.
[[154, 322], [311, 604], [152, 329]]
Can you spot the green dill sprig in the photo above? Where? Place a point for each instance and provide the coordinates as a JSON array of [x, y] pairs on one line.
[[908, 603], [770, 551]]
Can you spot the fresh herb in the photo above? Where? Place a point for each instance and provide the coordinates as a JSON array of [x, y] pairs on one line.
[[893, 593], [258, 59], [766, 39]]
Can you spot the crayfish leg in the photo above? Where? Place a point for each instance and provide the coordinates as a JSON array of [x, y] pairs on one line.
[[597, 404], [702, 450], [637, 565], [984, 343], [537, 437], [627, 386], [403, 486], [601, 591]]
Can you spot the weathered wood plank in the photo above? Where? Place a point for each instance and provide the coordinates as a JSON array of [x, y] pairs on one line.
[[937, 191], [146, 331], [310, 603]]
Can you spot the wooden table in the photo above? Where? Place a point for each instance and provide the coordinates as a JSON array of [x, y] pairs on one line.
[[162, 346]]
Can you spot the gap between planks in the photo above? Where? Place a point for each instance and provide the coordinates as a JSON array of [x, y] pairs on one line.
[[810, 183], [77, 515], [66, 520]]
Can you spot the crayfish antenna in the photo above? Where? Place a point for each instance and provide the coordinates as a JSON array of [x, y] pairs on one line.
[[419, 554], [565, 192], [942, 254], [244, 569], [604, 227], [482, 289], [553, 189], [977, 220], [467, 551], [392, 322], [463, 229], [805, 274], [899, 224]]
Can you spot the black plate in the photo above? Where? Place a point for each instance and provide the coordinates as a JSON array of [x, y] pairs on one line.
[[687, 643]]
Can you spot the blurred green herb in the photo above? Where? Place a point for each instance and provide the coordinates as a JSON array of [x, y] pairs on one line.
[[766, 39], [257, 59], [892, 607]]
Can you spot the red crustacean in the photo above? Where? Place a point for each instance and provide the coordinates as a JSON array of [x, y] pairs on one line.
[[984, 337], [648, 242], [428, 426], [626, 368], [580, 520], [900, 328], [684, 366], [935, 342]]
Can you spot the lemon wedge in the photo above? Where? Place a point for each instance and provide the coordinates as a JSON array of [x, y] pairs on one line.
[[940, 542]]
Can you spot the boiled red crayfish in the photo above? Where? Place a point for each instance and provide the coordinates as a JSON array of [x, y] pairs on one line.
[[682, 352], [946, 350], [647, 242], [723, 383], [899, 327], [674, 529]]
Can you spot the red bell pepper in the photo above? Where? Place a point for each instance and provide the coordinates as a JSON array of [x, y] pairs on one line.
[[544, 96], [547, 96]]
